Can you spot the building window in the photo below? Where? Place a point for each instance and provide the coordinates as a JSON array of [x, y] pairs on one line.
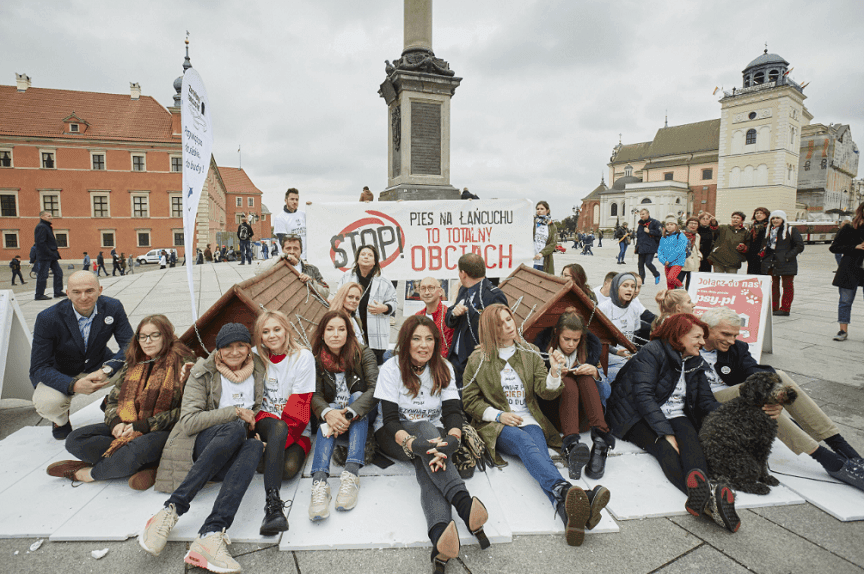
[[73, 128], [239, 201], [178, 237], [62, 237], [144, 238], [807, 165], [176, 206], [628, 171], [139, 206], [250, 202], [773, 75], [176, 164], [100, 206], [137, 163], [751, 137], [108, 238], [613, 210], [10, 239], [707, 173], [5, 158], [48, 159], [759, 78], [98, 161], [646, 200], [667, 176], [751, 116], [237, 217], [51, 202], [8, 205]]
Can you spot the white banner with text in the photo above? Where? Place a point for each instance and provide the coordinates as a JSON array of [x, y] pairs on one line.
[[416, 239]]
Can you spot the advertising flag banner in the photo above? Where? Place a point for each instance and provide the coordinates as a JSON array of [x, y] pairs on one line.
[[747, 295], [416, 239], [197, 144]]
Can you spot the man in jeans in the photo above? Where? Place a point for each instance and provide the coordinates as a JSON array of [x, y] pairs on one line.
[[47, 256], [244, 235]]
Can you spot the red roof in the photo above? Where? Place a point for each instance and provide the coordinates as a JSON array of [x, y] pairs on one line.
[[40, 112], [236, 181]]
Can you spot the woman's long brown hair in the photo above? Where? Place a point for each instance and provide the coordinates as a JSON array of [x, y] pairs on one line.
[[350, 351], [437, 364], [571, 320], [135, 354]]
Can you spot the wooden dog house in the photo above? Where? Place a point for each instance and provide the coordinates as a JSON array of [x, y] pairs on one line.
[[538, 299], [279, 288]]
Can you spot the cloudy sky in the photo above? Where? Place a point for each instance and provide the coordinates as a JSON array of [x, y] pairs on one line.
[[547, 86]]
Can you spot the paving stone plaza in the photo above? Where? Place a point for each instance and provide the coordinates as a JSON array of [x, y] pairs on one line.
[[793, 537]]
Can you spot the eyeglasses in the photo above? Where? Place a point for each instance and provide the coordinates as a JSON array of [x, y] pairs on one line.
[[152, 336], [428, 289]]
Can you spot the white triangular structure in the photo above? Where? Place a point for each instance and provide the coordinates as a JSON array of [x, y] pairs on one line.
[[16, 342]]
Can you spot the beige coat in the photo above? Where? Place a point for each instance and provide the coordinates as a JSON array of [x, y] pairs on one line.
[[199, 411], [692, 262]]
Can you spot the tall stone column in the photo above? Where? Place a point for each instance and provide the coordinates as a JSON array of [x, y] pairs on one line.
[[417, 90]]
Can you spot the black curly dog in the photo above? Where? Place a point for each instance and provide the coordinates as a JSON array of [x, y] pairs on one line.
[[737, 437]]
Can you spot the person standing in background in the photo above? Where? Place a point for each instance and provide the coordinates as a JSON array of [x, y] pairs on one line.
[[291, 221], [15, 264], [47, 256]]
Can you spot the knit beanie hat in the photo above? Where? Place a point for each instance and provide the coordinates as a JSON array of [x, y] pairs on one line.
[[778, 213], [671, 218], [232, 333]]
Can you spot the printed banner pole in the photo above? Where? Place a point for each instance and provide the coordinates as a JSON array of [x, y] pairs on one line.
[[197, 144]]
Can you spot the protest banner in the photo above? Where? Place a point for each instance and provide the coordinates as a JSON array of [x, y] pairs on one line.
[[197, 144], [747, 295], [421, 238]]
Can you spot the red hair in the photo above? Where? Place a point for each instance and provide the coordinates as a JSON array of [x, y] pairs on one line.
[[675, 327]]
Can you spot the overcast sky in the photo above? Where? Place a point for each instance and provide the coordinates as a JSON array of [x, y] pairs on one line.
[[547, 86]]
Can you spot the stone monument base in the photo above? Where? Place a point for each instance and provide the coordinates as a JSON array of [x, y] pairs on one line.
[[413, 192]]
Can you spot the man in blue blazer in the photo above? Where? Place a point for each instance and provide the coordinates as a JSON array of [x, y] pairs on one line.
[[62, 363]]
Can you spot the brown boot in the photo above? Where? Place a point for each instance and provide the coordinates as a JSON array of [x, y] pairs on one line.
[[143, 479]]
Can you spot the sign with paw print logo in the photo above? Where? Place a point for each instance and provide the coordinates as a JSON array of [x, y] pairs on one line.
[[747, 295]]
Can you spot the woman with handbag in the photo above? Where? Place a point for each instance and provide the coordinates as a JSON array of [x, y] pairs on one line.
[[346, 373], [421, 421], [505, 377]]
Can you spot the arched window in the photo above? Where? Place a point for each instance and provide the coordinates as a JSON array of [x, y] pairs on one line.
[[677, 200], [751, 137], [646, 200], [773, 75], [628, 171], [614, 210], [759, 78]]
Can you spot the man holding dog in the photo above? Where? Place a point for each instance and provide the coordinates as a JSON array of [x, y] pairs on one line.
[[731, 363]]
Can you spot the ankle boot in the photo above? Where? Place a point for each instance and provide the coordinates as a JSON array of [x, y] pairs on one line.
[[603, 441], [274, 518], [576, 454], [445, 548], [571, 504], [598, 498]]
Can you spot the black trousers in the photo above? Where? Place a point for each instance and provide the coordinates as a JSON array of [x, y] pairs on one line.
[[645, 260], [674, 465], [89, 443]]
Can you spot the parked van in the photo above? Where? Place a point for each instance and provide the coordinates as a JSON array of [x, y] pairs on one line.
[[152, 256]]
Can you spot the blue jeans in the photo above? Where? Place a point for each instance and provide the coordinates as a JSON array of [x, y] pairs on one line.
[[42, 278], [245, 251], [529, 444], [622, 251], [222, 453], [357, 431], [844, 307]]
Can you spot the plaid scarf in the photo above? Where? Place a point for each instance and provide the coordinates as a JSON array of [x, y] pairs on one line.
[[330, 363], [143, 396]]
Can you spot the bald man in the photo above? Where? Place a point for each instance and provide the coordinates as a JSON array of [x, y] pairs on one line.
[[70, 353], [430, 293]]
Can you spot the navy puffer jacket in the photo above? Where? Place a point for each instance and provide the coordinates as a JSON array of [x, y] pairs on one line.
[[648, 380]]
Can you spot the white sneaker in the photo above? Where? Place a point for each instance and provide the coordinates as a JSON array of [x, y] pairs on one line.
[[347, 497], [211, 553], [155, 534], [319, 509]]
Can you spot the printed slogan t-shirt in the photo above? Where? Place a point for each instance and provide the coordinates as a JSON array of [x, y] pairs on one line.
[[514, 388], [424, 407]]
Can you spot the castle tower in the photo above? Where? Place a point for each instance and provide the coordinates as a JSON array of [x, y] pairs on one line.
[[417, 90], [760, 139]]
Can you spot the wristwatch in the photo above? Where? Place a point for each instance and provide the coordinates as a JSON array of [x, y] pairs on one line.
[[349, 415], [107, 370]]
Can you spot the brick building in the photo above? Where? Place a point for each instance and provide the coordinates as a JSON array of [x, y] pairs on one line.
[[243, 198]]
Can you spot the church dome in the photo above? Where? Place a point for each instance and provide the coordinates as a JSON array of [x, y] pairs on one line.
[[764, 69], [765, 59], [622, 181]]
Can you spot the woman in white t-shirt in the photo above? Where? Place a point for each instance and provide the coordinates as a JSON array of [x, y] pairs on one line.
[[623, 315], [283, 421], [421, 420], [346, 373], [506, 376], [347, 299]]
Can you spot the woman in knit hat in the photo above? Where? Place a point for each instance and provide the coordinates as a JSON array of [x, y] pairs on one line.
[[672, 252], [210, 443], [780, 250]]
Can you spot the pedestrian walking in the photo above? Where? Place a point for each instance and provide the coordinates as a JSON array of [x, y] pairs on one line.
[[86, 262], [121, 261], [672, 251], [600, 238], [163, 260], [130, 264], [15, 265], [783, 244], [622, 238], [849, 243], [648, 232], [172, 258], [100, 265]]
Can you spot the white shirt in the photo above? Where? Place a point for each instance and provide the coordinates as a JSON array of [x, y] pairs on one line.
[[541, 235], [240, 394], [626, 319], [714, 379], [291, 224], [424, 407], [601, 298], [674, 405], [293, 375], [514, 390]]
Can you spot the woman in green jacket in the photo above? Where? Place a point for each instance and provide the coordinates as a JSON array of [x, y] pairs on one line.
[[545, 242], [506, 376]]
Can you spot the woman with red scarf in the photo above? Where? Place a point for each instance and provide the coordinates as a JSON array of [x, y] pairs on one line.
[[283, 421], [344, 389]]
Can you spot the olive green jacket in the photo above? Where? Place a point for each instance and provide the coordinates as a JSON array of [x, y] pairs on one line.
[[546, 252], [486, 391]]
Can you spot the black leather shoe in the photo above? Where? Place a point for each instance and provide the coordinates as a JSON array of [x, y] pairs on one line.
[[577, 455], [61, 432], [43, 298], [598, 498], [274, 518], [59, 295], [596, 466]]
